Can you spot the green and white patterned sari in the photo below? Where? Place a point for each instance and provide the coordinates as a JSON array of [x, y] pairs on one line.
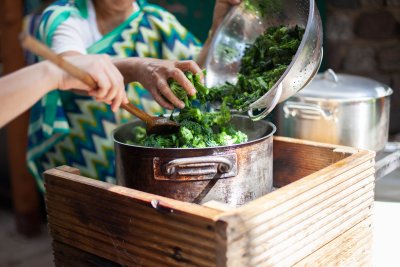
[[75, 130]]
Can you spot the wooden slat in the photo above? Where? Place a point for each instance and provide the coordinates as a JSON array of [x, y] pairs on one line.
[[276, 237], [247, 219], [217, 205], [62, 179], [103, 245], [146, 252], [287, 152], [322, 236], [292, 195], [347, 242], [279, 226], [328, 176], [318, 234], [66, 255], [79, 216], [146, 235], [69, 169], [315, 205], [117, 254], [122, 212], [350, 255], [137, 226]]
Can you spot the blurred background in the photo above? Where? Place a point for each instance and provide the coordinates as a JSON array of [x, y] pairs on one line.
[[362, 37]]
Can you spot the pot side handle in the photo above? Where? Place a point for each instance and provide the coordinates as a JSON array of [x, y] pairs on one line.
[[305, 111], [224, 165], [196, 168]]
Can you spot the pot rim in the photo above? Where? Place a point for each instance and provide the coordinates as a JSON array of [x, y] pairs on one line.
[[340, 100], [329, 80], [270, 134]]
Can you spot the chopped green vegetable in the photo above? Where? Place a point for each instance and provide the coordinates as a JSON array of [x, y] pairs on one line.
[[198, 129], [262, 65], [264, 7]]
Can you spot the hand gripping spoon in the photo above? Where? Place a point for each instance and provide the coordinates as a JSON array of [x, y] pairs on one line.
[[154, 125]]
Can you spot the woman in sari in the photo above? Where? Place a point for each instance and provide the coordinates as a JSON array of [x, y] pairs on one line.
[[75, 130]]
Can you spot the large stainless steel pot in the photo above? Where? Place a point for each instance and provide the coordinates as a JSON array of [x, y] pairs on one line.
[[232, 174], [339, 109]]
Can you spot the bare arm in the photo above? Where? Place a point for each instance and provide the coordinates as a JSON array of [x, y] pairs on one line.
[[220, 10], [21, 89], [153, 74]]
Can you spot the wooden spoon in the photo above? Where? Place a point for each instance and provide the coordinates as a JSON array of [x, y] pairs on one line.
[[154, 125]]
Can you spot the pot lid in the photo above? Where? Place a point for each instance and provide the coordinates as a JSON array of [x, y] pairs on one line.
[[344, 87]]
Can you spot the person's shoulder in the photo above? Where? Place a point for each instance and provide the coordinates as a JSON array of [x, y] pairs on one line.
[[62, 7], [156, 11], [55, 15]]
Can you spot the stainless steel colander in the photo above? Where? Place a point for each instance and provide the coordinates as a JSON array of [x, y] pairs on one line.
[[243, 25]]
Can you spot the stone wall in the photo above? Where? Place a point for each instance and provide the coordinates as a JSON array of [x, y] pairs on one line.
[[363, 38]]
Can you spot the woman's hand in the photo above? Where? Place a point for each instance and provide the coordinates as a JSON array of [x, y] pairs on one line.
[[153, 74], [111, 88], [220, 9]]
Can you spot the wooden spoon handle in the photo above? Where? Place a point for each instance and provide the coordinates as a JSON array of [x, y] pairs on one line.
[[137, 112], [36, 47]]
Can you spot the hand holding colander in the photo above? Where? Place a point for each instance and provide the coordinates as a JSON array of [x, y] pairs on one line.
[[243, 24]]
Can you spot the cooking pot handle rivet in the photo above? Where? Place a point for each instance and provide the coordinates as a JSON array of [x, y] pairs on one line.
[[223, 168]]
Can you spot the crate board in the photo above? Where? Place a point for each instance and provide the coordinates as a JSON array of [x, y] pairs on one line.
[[321, 213]]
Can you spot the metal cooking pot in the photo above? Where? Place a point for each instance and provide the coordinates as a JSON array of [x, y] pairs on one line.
[[232, 174], [339, 109]]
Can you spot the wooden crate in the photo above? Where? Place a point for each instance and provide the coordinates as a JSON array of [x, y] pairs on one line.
[[319, 215]]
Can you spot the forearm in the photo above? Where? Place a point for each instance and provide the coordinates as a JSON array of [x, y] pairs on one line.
[[201, 59], [129, 68], [220, 10], [21, 89]]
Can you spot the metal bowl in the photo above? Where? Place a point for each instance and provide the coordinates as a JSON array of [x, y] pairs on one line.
[[243, 25]]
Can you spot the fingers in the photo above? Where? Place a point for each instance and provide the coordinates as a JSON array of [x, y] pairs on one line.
[[161, 100], [164, 89], [190, 65], [118, 87], [156, 75], [110, 83], [111, 88], [180, 77], [116, 103], [104, 85]]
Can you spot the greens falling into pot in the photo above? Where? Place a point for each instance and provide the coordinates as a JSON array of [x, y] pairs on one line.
[[262, 64]]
